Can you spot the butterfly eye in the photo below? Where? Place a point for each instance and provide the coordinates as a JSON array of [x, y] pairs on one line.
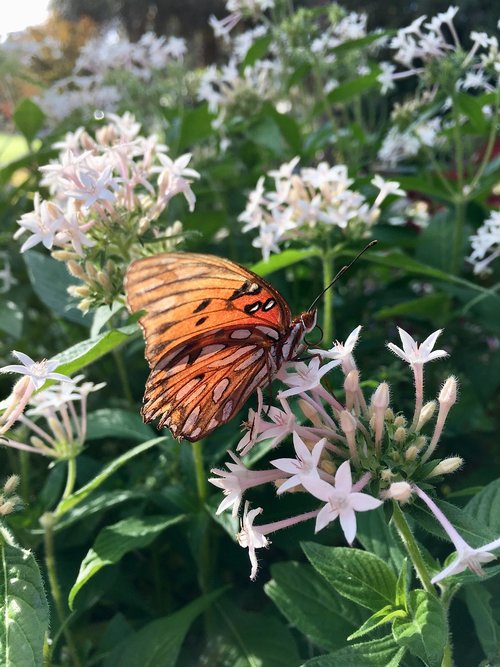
[[316, 342]]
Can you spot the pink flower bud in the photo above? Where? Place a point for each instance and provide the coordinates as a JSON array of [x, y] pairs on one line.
[[400, 491]]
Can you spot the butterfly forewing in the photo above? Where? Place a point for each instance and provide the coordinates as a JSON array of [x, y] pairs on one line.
[[212, 332]]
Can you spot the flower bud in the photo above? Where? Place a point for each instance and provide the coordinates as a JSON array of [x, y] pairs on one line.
[[400, 491], [104, 281], [11, 484], [75, 269], [420, 442], [348, 425], [400, 420], [64, 255], [7, 507], [426, 414], [386, 475], [399, 435], [91, 271], [411, 453], [351, 386], [448, 394], [379, 404], [447, 466], [85, 305], [389, 415]]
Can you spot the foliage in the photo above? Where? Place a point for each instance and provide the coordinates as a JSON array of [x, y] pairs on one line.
[[312, 135]]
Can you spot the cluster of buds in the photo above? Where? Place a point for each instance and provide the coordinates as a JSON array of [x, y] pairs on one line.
[[9, 500], [340, 447], [305, 203], [106, 191]]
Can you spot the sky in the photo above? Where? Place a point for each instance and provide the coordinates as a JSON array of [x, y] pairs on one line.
[[19, 14]]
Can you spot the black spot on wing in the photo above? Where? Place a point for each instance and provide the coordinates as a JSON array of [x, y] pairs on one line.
[[201, 320], [202, 305], [252, 308]]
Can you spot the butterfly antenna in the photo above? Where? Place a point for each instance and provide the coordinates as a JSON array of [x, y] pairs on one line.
[[341, 273]]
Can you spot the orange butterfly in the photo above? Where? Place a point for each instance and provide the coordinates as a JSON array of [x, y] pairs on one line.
[[214, 332]]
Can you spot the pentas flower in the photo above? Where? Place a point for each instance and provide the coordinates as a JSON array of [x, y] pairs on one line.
[[342, 501], [338, 445], [486, 244], [467, 557], [37, 371]]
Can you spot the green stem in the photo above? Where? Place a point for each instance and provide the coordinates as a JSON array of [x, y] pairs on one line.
[[447, 655], [122, 373], [204, 558], [328, 308], [201, 481], [71, 478], [48, 522], [458, 234], [489, 146], [412, 548]]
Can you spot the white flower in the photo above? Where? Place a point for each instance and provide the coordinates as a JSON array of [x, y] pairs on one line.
[[486, 243], [469, 558], [341, 501], [386, 188], [250, 537], [342, 352], [415, 354], [305, 377], [38, 371], [44, 222], [386, 77], [304, 466]]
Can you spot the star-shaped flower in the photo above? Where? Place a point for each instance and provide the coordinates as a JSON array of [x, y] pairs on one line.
[[342, 352], [38, 371], [413, 353], [250, 537], [469, 558], [303, 467], [306, 377], [341, 501]]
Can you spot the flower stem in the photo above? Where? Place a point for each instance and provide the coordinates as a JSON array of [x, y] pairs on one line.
[[458, 234], [71, 478], [48, 522], [328, 312], [201, 482], [412, 548]]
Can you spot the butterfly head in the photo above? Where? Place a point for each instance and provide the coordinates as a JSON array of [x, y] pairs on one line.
[[308, 319]]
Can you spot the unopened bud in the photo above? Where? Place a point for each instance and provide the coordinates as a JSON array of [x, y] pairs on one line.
[[7, 507], [56, 428], [447, 466], [292, 489], [399, 435], [90, 270], [104, 281], [420, 442], [75, 269], [379, 404], [64, 255], [386, 475], [448, 394], [389, 415], [411, 453], [85, 305], [400, 491], [426, 414], [400, 420], [143, 226], [79, 290], [351, 386], [348, 425], [11, 484]]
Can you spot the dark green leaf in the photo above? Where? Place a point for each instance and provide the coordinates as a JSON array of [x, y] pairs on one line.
[[118, 423], [158, 643], [472, 107], [376, 653], [352, 88], [289, 129], [50, 280], [24, 608], [481, 605], [425, 633], [196, 126], [357, 575], [11, 318], [257, 51], [29, 118], [385, 615], [485, 506], [434, 307], [113, 542], [282, 261], [312, 605], [380, 537]]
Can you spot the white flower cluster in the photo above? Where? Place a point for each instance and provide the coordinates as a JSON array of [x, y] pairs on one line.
[[96, 181], [309, 199], [87, 87], [486, 243]]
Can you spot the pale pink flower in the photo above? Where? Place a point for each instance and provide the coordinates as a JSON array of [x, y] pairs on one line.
[[44, 222], [341, 501], [304, 466], [342, 352], [305, 378], [251, 537], [38, 371], [413, 353]]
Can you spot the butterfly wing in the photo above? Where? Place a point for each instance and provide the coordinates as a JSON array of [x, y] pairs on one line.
[[211, 330]]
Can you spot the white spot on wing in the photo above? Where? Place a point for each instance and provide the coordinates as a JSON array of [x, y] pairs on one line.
[[268, 331], [226, 411], [213, 423], [219, 389], [251, 359], [241, 334], [186, 389], [239, 352], [192, 419]]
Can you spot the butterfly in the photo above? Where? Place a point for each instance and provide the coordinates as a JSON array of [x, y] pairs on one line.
[[214, 332]]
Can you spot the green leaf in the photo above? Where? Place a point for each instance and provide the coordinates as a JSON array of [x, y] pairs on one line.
[[382, 652], [243, 638], [196, 126], [282, 261], [402, 586], [481, 608], [425, 633], [485, 506], [94, 505], [117, 423], [289, 128], [158, 643], [385, 615], [266, 133], [257, 51], [24, 609], [429, 185], [84, 353], [80, 495], [101, 315], [435, 307], [11, 318], [380, 537], [113, 542], [472, 107], [50, 280], [357, 575], [29, 119], [312, 605], [357, 44], [352, 88]]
